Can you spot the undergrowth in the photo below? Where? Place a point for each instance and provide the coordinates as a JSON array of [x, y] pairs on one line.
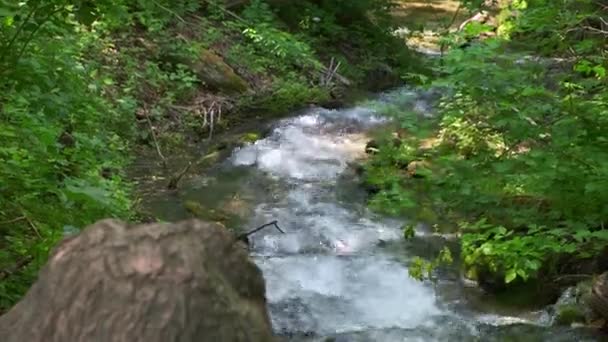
[[84, 82], [517, 155]]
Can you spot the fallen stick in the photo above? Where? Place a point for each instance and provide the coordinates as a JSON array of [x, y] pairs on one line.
[[244, 236], [21, 218], [155, 140], [15, 268], [177, 177]]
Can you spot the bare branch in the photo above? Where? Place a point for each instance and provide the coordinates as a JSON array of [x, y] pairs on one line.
[[170, 11], [33, 226], [15, 268], [176, 178], [155, 140], [21, 218], [244, 236]]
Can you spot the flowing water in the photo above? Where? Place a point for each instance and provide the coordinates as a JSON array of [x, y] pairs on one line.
[[339, 272]]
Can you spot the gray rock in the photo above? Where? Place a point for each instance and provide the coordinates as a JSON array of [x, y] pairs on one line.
[[188, 281], [573, 306]]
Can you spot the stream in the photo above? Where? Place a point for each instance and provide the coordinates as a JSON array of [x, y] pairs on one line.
[[340, 272]]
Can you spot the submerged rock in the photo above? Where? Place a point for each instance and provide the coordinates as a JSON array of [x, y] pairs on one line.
[[237, 207], [188, 281], [372, 147], [573, 306], [569, 314], [208, 214], [249, 138]]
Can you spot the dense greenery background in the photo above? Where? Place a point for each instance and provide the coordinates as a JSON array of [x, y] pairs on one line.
[[518, 153], [84, 81]]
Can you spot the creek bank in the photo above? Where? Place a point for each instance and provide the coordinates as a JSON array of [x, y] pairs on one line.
[[413, 160], [239, 130], [233, 71]]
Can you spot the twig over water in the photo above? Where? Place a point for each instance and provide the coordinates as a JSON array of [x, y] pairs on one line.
[[243, 237]]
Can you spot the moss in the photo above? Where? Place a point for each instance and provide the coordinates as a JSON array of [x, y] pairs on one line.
[[210, 158], [215, 73], [250, 137], [568, 314], [427, 214], [207, 214]]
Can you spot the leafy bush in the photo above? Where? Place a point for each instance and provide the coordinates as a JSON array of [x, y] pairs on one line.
[[76, 75], [521, 159], [62, 139]]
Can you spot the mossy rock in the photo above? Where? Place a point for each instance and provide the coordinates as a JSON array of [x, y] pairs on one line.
[[207, 214], [569, 314], [418, 168], [217, 74], [427, 214], [210, 158], [381, 76], [238, 208], [249, 138], [532, 294]]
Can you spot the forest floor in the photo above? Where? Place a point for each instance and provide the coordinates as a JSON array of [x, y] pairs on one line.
[[421, 23]]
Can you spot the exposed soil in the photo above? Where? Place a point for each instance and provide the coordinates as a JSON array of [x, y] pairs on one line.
[[426, 19]]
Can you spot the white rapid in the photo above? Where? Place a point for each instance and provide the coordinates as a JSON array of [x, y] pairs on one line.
[[325, 275], [330, 277]]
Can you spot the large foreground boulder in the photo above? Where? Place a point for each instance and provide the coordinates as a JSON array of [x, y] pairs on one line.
[[188, 281]]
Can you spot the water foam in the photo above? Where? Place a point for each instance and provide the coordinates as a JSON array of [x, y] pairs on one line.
[[326, 273]]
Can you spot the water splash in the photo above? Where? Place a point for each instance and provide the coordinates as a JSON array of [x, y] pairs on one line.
[[328, 275]]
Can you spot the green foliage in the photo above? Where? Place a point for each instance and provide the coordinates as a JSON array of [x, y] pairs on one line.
[[286, 94], [559, 26], [570, 314], [62, 138], [67, 116], [78, 74], [281, 44], [421, 269], [409, 231], [521, 158], [358, 33]]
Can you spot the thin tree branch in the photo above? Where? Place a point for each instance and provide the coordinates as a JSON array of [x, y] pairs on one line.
[[21, 218], [244, 236], [33, 226], [572, 277], [447, 28], [593, 29], [455, 16], [227, 11], [31, 36], [158, 150], [170, 11], [175, 179], [15, 268], [18, 32]]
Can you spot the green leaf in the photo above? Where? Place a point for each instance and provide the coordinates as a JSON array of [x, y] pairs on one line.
[[409, 231], [95, 194], [601, 234], [510, 276]]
